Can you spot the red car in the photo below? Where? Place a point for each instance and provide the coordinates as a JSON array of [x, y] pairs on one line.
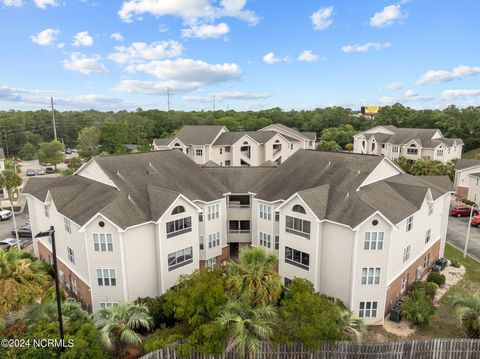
[[475, 221], [461, 211]]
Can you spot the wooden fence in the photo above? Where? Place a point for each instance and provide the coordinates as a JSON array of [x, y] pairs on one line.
[[417, 349]]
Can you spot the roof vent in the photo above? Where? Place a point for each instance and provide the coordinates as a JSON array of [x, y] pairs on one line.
[[120, 175], [358, 172], [348, 195], [329, 163]]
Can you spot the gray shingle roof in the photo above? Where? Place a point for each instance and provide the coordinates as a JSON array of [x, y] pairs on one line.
[[198, 135], [162, 141], [461, 164], [475, 174], [239, 179], [306, 135], [229, 138]]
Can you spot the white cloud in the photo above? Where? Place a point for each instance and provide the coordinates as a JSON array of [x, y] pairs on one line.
[[141, 51], [86, 65], [308, 56], [188, 10], [457, 73], [180, 75], [42, 4], [46, 37], [117, 36], [205, 31], [393, 86], [453, 94], [387, 16], [82, 39], [271, 58], [322, 18], [162, 28], [365, 47], [14, 3], [411, 95]]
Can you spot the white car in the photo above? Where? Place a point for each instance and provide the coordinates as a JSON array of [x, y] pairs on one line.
[[5, 214], [8, 242]]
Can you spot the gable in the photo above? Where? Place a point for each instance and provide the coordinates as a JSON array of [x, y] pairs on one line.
[[93, 171], [385, 169]]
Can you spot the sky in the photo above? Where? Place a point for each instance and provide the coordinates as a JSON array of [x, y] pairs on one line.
[[238, 54]]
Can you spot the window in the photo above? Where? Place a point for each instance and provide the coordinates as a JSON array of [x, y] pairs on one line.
[[383, 145], [368, 310], [286, 281], [291, 146], [73, 284], [198, 152], [297, 258], [363, 143], [265, 212], [213, 211], [265, 239], [412, 150], [428, 235], [395, 149], [431, 207], [277, 242], [71, 255], [373, 146], [370, 276], [426, 261], [405, 281], [200, 217], [106, 305], [178, 209], [46, 210], [67, 224], [211, 263], [102, 242], [409, 223], [179, 226], [439, 152], [221, 150], [106, 277], [406, 253], [201, 239], [373, 241], [277, 216], [297, 226], [227, 149], [227, 163], [299, 209], [213, 240], [180, 258]]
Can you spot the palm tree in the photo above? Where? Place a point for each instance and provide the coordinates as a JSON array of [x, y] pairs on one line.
[[247, 327], [44, 312], [468, 312], [351, 328], [10, 180], [255, 277], [121, 323], [22, 280]]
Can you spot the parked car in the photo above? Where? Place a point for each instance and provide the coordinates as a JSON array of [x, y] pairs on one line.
[[23, 231], [475, 221], [68, 151], [30, 172], [462, 211], [40, 171], [4, 246], [5, 214], [8, 242], [50, 170]]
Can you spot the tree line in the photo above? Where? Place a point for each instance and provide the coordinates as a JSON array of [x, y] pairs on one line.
[[333, 125]]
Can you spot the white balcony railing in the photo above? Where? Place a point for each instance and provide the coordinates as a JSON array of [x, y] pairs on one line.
[[238, 231], [238, 205]]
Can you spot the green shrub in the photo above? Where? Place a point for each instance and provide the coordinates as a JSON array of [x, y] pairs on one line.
[[430, 288], [162, 338], [155, 308], [468, 202], [437, 278], [418, 308], [455, 263]]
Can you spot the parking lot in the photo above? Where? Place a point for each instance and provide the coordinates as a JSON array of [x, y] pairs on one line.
[[457, 233], [6, 228]]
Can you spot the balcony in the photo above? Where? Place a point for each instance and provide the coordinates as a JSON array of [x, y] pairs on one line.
[[238, 231], [238, 227], [239, 202]]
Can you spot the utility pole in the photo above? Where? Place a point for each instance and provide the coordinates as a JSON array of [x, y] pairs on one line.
[[54, 123], [168, 99], [213, 102], [6, 141]]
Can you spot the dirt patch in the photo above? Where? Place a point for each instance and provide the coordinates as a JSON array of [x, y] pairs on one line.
[[452, 277], [402, 329]]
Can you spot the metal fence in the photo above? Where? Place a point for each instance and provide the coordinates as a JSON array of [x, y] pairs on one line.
[[417, 349]]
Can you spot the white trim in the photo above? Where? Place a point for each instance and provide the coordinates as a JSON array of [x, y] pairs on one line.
[[84, 227], [301, 199], [85, 241], [390, 162], [121, 239], [78, 171], [353, 271], [357, 227], [169, 209]]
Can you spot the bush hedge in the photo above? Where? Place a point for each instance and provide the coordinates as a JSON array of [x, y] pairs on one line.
[[418, 308], [430, 288], [437, 278]]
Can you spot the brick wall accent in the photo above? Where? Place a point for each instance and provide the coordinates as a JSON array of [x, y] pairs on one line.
[[220, 260], [462, 193], [394, 290], [83, 294]]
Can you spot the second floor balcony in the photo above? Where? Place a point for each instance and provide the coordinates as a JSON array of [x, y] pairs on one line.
[[238, 227], [239, 201]]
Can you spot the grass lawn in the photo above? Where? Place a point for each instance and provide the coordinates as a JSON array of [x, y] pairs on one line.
[[444, 323], [471, 153]]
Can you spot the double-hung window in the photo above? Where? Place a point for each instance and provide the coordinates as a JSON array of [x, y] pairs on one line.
[[370, 276], [198, 152], [409, 225], [214, 240], [102, 242], [373, 241], [428, 235], [202, 242], [213, 211], [368, 310], [67, 224], [179, 226], [180, 258], [265, 212], [265, 239], [431, 207], [406, 253], [71, 255], [297, 226], [106, 277], [297, 258]]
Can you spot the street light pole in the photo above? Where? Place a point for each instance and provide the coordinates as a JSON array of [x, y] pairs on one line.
[[51, 233], [468, 229]]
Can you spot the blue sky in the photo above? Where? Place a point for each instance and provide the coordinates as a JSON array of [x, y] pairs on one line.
[[249, 55]]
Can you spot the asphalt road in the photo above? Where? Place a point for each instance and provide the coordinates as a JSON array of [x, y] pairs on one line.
[[6, 227], [457, 233]]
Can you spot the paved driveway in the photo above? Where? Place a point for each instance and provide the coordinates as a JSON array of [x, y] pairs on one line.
[[6, 227], [457, 233]]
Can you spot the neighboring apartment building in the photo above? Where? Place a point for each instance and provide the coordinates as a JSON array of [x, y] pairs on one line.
[[412, 143], [206, 144], [128, 226], [467, 179]]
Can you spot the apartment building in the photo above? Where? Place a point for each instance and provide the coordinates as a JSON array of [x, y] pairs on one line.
[[412, 143], [128, 226], [467, 179], [215, 144]]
